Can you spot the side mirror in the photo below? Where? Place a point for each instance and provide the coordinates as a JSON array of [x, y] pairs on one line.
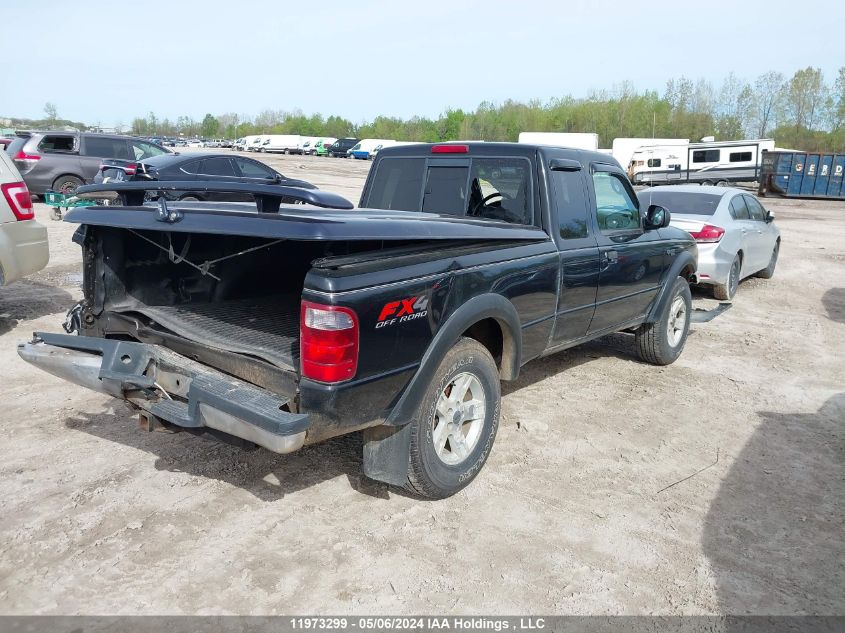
[[657, 217], [770, 217]]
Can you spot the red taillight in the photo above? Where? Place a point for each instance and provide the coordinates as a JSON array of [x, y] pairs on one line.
[[450, 149], [328, 342], [23, 156], [708, 233], [130, 169], [17, 195]]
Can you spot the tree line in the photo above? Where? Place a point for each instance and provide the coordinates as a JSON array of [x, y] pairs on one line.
[[800, 112]]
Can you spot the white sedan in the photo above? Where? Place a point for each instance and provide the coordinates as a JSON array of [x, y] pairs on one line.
[[736, 236]]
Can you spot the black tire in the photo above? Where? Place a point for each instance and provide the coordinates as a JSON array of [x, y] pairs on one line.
[[429, 475], [654, 344], [769, 271], [67, 184], [727, 291]]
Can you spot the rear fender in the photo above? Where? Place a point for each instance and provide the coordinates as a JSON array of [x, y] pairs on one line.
[[386, 447]]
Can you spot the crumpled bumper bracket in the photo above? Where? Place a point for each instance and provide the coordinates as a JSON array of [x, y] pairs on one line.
[[171, 387]]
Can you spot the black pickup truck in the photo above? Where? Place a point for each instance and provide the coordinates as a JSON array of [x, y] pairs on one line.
[[283, 325]]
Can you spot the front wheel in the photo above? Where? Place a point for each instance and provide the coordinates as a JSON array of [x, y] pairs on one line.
[[456, 422], [661, 342], [67, 184]]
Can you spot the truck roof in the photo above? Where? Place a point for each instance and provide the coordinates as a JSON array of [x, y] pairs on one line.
[[483, 148]]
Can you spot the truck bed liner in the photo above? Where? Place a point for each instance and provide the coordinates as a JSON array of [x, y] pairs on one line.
[[267, 328]]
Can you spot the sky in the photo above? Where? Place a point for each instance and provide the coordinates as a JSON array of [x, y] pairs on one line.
[[108, 62]]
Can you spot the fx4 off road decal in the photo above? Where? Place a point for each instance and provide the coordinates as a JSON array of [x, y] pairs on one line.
[[403, 310]]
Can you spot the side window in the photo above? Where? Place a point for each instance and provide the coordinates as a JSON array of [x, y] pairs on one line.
[[654, 162], [616, 209], [141, 150], [706, 156], [191, 168], [738, 209], [252, 169], [740, 157], [755, 209], [106, 147], [217, 167], [55, 143], [570, 203]]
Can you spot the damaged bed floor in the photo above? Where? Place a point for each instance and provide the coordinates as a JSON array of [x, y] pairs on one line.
[[575, 511]]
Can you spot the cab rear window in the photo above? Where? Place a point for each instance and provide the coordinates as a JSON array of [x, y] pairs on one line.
[[682, 202], [485, 188]]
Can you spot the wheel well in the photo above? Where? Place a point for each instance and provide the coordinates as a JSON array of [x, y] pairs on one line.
[[688, 272], [58, 178], [499, 342]]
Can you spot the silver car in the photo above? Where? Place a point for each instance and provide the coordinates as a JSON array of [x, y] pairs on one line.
[[736, 236]]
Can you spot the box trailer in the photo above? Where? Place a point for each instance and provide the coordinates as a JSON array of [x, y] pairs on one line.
[[792, 174], [577, 140]]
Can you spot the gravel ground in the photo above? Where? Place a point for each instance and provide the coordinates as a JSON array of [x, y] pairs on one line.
[[571, 515]]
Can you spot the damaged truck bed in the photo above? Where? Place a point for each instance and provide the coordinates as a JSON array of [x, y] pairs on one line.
[[283, 325]]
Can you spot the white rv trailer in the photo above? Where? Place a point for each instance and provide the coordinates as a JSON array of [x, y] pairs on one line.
[[578, 140], [280, 143], [706, 163], [623, 148]]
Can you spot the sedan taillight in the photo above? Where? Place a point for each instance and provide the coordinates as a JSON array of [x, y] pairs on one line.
[[708, 233], [17, 195]]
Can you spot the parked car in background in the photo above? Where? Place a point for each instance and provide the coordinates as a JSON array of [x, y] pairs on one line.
[[321, 147], [194, 142], [5, 142], [281, 143], [23, 241], [304, 146], [341, 147], [736, 236], [63, 161], [200, 167], [364, 149], [255, 143]]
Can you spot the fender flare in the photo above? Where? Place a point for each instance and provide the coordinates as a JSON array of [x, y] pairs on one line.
[[477, 309], [683, 260], [386, 447]]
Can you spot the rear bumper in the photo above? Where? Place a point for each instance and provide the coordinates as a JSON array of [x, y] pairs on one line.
[[170, 387], [714, 264], [23, 249]]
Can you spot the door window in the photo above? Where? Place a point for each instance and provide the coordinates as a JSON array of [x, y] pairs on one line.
[[191, 168], [571, 204], [755, 209], [616, 208], [106, 147], [252, 169], [217, 167], [738, 209], [499, 190]]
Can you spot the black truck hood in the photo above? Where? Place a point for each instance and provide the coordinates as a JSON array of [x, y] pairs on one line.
[[303, 222]]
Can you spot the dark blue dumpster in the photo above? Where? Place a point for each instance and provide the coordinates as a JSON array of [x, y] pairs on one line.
[[802, 175]]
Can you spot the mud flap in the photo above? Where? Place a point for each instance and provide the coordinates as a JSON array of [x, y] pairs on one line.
[[386, 453]]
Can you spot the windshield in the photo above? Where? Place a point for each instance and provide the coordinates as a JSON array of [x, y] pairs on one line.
[[681, 202]]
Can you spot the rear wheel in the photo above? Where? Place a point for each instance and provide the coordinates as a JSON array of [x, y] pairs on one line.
[[769, 271], [67, 184], [661, 342], [456, 423], [727, 290]]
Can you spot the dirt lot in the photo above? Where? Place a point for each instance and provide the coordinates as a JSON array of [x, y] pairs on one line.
[[568, 516]]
